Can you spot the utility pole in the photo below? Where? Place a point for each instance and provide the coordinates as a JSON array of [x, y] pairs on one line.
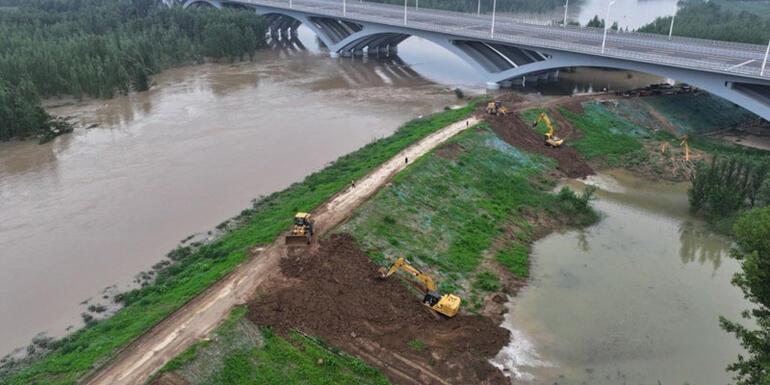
[[764, 63], [478, 9], [606, 25], [671, 29], [566, 6], [344, 8], [291, 4], [406, 6], [416, 4], [494, 9]]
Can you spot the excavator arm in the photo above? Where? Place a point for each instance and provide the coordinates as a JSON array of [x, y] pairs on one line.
[[401, 263], [550, 137]]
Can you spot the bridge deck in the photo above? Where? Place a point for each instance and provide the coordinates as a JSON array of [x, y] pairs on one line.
[[743, 60]]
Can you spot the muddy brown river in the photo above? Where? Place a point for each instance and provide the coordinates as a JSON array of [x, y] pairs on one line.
[[93, 209]]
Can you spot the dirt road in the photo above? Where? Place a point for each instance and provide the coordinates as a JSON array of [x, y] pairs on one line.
[[134, 364]]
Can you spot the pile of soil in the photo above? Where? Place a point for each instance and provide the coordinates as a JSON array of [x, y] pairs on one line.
[[335, 293], [520, 134]]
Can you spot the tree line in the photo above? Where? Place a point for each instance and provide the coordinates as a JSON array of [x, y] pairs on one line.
[[735, 191], [713, 20], [98, 48]]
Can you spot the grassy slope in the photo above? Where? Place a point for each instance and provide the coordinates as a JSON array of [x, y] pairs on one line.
[[233, 357], [460, 203], [698, 114], [196, 270]]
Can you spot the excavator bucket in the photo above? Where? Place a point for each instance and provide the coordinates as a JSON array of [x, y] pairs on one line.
[[297, 240]]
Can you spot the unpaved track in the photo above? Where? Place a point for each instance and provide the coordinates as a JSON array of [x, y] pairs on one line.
[[148, 353]]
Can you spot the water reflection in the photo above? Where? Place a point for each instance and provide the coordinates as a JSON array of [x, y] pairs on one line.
[[637, 301], [701, 245]]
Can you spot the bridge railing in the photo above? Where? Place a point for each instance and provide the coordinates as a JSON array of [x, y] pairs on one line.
[[534, 36]]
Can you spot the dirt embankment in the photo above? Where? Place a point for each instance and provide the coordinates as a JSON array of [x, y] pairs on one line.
[[333, 292]]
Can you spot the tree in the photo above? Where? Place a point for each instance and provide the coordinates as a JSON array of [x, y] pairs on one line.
[[596, 22], [752, 231]]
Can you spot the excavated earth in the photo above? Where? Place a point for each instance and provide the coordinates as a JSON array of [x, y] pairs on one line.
[[520, 134], [334, 292]]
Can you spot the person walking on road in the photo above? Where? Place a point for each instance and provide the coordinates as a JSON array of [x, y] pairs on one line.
[[406, 160]]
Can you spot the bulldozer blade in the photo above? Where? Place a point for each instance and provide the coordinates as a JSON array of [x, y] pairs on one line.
[[296, 240]]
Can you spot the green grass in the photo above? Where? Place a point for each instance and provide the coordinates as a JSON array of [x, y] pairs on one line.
[[698, 114], [231, 358], [195, 270], [446, 211], [486, 281], [416, 345], [515, 258], [605, 135]]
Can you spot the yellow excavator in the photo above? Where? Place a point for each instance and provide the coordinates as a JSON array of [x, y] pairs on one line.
[[302, 231], [447, 304], [497, 108], [550, 137]]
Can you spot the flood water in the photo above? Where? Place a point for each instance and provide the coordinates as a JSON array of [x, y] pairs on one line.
[[634, 299], [91, 210], [94, 208]]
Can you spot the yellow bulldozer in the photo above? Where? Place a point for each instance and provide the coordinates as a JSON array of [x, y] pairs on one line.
[[550, 136], [301, 231], [497, 108], [447, 304]]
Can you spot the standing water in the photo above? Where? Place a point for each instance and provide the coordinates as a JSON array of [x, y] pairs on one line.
[[634, 299]]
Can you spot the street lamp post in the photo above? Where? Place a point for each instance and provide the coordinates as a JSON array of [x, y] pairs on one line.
[[764, 62], [478, 8], [566, 6], [416, 4], [291, 4], [494, 9], [671, 29], [406, 5], [344, 8], [606, 25]]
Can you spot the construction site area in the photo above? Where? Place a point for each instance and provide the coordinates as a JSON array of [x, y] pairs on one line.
[[328, 290]]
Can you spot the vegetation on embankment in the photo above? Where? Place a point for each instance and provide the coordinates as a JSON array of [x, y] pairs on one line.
[[101, 47], [193, 269], [467, 212], [718, 20], [727, 186], [239, 352]]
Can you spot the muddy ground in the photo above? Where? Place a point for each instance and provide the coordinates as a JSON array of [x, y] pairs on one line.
[[333, 292], [520, 134]]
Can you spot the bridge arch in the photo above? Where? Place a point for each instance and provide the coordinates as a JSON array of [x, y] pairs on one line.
[[203, 3]]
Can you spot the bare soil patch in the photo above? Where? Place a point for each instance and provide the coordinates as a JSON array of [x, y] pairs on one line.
[[338, 296], [512, 129]]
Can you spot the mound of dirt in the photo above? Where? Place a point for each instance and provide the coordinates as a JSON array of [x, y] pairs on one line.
[[519, 134], [336, 294]]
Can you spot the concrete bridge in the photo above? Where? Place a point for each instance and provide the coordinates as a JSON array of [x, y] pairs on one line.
[[504, 49]]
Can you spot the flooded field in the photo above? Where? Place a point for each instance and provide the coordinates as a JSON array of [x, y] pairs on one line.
[[633, 299]]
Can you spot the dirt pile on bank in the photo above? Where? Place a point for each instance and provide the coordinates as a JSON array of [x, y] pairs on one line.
[[335, 294], [520, 134]]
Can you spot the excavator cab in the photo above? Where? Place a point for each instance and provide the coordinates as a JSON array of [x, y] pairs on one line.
[[446, 304], [550, 136], [302, 231]]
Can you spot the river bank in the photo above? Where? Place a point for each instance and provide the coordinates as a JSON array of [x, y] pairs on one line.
[[119, 196], [196, 267]]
